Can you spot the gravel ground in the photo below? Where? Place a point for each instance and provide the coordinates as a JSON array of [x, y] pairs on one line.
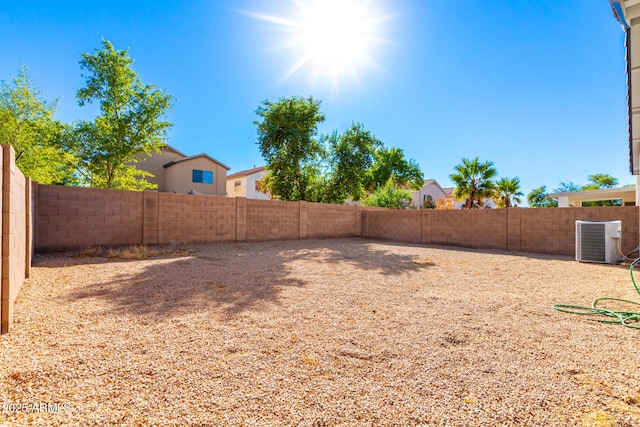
[[342, 332]]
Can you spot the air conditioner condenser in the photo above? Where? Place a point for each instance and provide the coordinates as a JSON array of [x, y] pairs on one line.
[[598, 241]]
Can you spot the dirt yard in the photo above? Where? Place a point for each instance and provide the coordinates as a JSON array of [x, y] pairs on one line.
[[343, 332]]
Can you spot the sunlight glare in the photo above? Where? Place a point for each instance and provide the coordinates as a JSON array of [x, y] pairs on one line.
[[331, 41]]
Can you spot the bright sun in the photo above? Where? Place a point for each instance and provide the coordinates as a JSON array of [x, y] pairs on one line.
[[331, 41]]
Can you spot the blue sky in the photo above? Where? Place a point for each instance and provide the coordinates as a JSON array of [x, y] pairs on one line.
[[537, 87]]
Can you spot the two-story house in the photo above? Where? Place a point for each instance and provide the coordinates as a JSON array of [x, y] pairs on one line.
[[175, 172]]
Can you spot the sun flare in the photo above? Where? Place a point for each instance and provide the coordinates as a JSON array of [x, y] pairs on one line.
[[330, 41]]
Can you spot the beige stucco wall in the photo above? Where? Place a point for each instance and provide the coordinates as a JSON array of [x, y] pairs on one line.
[[247, 186], [178, 177], [154, 164], [432, 190], [251, 186], [233, 191]]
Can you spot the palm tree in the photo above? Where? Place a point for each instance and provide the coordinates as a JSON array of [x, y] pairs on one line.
[[473, 181], [508, 192]]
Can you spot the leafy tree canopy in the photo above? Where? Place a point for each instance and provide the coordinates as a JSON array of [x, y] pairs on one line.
[[391, 164], [352, 155], [131, 121], [330, 169], [389, 196], [27, 124], [567, 187], [598, 181], [287, 140], [539, 198]]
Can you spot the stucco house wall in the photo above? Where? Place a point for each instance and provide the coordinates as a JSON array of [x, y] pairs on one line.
[[252, 193], [247, 184], [154, 163], [234, 190], [173, 171], [430, 188], [178, 176]]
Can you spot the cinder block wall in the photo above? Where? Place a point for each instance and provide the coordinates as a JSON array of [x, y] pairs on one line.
[[71, 217], [16, 234], [401, 226], [331, 220], [553, 231], [547, 231], [271, 220], [468, 228], [184, 219]]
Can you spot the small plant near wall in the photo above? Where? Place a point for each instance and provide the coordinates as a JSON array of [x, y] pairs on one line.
[[428, 203]]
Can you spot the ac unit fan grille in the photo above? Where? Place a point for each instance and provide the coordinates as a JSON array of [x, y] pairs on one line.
[[592, 244]]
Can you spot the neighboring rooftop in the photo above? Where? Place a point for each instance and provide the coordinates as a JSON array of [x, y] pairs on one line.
[[448, 191], [175, 150], [184, 159], [246, 172], [575, 198]]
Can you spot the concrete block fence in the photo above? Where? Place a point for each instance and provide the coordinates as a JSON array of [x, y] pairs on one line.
[[70, 218], [544, 231], [17, 227]]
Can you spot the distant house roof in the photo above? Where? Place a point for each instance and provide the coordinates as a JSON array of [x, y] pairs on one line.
[[187, 158], [600, 194], [433, 181], [175, 150], [448, 191], [246, 172]]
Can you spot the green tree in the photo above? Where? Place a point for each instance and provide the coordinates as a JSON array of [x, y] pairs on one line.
[[508, 191], [27, 124], [390, 163], [351, 156], [474, 181], [389, 196], [539, 198], [566, 187], [131, 121], [598, 181], [287, 140], [317, 181]]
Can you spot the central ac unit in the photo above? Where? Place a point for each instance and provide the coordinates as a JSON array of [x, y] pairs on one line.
[[597, 241]]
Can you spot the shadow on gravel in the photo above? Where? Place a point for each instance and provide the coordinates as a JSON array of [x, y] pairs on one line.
[[232, 278]]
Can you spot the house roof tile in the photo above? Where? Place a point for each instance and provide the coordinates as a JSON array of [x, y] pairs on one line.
[[245, 172]]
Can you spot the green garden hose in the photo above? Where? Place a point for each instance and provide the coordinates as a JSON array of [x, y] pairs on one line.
[[624, 318]]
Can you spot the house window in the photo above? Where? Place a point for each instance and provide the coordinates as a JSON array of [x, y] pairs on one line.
[[258, 186], [205, 177], [237, 185]]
